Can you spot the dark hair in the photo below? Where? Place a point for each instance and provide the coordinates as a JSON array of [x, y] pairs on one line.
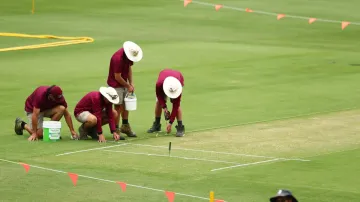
[[124, 56], [49, 89]]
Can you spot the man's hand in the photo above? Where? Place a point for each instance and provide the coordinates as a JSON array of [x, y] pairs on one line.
[[131, 84], [101, 138], [130, 88], [33, 137], [74, 135], [116, 136], [168, 128], [166, 114]]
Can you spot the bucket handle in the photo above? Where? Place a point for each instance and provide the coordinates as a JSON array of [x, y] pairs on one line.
[[127, 94]]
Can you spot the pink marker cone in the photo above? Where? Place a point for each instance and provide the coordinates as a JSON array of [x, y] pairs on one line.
[[170, 195], [26, 166], [122, 185], [73, 177]]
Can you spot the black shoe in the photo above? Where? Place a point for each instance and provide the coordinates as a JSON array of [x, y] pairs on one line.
[[18, 129], [156, 127], [180, 131], [92, 132]]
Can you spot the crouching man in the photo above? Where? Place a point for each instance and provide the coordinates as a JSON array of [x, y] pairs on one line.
[[45, 101], [95, 110], [169, 84]]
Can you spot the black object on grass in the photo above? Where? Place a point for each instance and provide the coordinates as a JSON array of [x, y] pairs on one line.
[[169, 148]]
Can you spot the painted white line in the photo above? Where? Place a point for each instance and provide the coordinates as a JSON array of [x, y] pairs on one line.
[[183, 149], [104, 180], [270, 13], [247, 164], [215, 152], [85, 150], [171, 156]]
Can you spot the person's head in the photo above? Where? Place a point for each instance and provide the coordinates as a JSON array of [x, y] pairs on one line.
[[54, 93], [109, 94], [132, 51], [172, 87], [283, 196]]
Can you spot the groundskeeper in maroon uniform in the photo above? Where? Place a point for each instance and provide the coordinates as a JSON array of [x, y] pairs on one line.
[[45, 101], [169, 84], [120, 77], [95, 110]]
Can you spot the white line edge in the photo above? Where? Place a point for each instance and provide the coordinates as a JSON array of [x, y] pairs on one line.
[[247, 164], [171, 156], [85, 150]]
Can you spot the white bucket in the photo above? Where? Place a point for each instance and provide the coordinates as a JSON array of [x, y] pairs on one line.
[[51, 131], [130, 102]]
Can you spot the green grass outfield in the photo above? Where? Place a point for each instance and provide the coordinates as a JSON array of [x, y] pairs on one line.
[[289, 86]]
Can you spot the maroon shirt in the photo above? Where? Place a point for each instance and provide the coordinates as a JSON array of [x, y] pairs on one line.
[[119, 63], [94, 103], [160, 94], [39, 100]]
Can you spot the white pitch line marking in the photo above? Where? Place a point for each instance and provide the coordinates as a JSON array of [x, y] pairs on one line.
[[183, 149], [171, 156], [215, 152], [104, 180], [272, 14], [85, 150], [247, 164]]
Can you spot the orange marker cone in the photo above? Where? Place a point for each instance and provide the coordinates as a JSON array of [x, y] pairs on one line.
[[311, 20], [122, 185], [26, 166], [217, 7], [248, 10], [170, 195], [218, 200], [186, 2], [279, 16], [344, 25], [73, 178]]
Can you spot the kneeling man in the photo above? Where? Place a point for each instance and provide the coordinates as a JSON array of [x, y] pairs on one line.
[[45, 101], [95, 110], [169, 84]]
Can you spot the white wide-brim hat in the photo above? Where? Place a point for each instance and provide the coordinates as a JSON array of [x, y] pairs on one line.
[[172, 87], [133, 51], [110, 94]]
